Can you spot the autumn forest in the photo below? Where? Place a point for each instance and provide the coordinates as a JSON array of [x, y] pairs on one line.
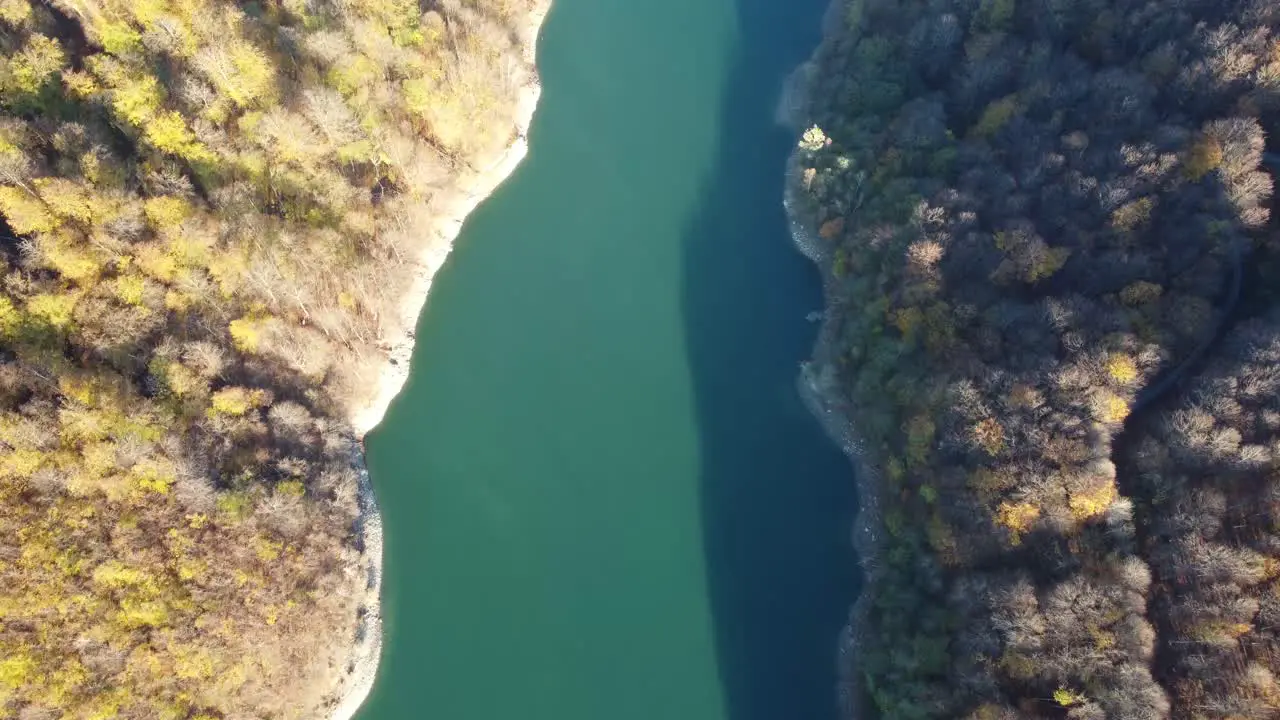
[[1046, 237], [205, 213]]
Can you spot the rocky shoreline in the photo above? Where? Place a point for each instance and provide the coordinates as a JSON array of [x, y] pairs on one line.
[[817, 385], [360, 668]]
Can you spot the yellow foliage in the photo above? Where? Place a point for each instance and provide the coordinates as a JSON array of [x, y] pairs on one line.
[[55, 310], [105, 706], [228, 268], [267, 549], [246, 333], [1132, 215], [192, 663], [116, 575], [129, 288], [67, 199], [191, 569], [360, 72], [99, 458], [908, 321], [136, 100], [292, 488], [400, 17], [987, 711], [1204, 156], [235, 401], [1111, 408], [178, 302], [80, 85], [1218, 632], [15, 13], [118, 38], [166, 211], [80, 389], [10, 319], [1093, 502], [1140, 293], [1018, 665], [920, 435], [814, 139], [1121, 368], [146, 12], [167, 132], [1022, 395], [255, 75], [1047, 264], [96, 433], [135, 613], [154, 261], [71, 262], [988, 482], [1067, 698], [41, 59], [996, 115], [61, 685], [25, 213], [20, 463], [943, 541], [237, 505], [179, 379], [15, 670], [1017, 518], [153, 475], [989, 435]]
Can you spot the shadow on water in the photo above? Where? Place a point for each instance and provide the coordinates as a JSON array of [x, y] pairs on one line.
[[778, 497]]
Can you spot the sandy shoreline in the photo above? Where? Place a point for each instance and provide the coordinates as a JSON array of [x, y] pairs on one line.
[[360, 669]]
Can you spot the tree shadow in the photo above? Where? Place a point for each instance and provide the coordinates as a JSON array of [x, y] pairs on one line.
[[778, 498]]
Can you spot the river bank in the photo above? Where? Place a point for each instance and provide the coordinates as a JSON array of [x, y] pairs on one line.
[[818, 377], [816, 384], [359, 672], [602, 421], [452, 210]]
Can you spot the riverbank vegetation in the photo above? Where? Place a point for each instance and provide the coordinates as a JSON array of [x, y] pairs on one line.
[[1034, 218], [207, 212]]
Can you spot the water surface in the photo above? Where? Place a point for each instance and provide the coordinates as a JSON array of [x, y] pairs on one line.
[[602, 497]]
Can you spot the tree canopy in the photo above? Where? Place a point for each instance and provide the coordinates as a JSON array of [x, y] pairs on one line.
[[206, 208], [1033, 219]]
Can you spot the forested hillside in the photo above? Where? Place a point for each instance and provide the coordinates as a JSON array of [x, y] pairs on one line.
[[1034, 217], [207, 207], [1208, 468]]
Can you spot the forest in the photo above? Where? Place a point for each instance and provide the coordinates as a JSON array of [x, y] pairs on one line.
[[1044, 229], [207, 209]]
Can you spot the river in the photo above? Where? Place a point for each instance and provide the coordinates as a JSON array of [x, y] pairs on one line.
[[602, 497]]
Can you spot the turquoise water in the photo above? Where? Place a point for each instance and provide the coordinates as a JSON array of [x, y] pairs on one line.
[[601, 494]]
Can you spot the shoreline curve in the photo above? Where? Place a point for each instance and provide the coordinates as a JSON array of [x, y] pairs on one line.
[[359, 670], [816, 384]]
